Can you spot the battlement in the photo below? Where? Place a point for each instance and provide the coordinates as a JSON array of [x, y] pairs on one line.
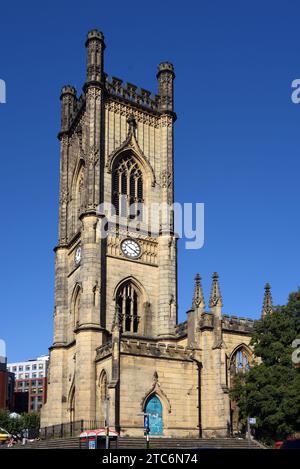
[[238, 324], [131, 93], [114, 88], [68, 90], [146, 347], [229, 323], [94, 34]]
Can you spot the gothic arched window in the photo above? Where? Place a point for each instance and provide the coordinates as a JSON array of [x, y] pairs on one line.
[[127, 187], [75, 306], [128, 303], [239, 361], [78, 194], [103, 386]]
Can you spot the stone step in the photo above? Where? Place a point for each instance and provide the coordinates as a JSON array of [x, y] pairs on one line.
[[155, 443]]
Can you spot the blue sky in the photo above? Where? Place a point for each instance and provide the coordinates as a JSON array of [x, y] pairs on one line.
[[236, 141]]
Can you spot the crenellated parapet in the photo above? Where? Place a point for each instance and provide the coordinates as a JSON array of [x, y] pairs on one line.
[[115, 89], [237, 324], [229, 323], [148, 348], [132, 94]]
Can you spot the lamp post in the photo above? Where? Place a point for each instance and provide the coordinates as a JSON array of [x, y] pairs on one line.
[[106, 405]]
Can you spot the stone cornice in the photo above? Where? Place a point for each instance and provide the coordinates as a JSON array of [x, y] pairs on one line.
[[62, 345]]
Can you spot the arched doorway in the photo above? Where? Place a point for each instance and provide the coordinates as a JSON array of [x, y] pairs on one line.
[[155, 412]]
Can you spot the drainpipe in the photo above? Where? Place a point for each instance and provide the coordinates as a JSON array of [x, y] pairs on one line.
[[199, 369]]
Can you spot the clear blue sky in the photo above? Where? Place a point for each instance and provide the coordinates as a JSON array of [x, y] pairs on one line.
[[236, 142]]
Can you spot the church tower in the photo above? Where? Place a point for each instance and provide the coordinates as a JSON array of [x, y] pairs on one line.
[[116, 148], [118, 351]]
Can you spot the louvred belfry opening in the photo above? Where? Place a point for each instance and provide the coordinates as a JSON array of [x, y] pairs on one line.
[[128, 301], [127, 187]]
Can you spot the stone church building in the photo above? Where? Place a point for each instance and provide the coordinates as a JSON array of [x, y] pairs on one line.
[[118, 349]]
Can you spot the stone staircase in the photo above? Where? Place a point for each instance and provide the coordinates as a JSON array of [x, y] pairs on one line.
[[185, 443], [155, 443]]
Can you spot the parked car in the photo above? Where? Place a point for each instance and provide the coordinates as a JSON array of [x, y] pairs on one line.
[[4, 436], [291, 443]]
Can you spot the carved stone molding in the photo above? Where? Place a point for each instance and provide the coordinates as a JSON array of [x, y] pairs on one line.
[[127, 111], [165, 179], [158, 391]]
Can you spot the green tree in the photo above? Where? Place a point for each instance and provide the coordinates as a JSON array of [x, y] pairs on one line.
[[270, 391], [4, 418], [15, 425]]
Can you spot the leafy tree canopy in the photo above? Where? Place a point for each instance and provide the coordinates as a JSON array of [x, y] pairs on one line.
[[270, 391]]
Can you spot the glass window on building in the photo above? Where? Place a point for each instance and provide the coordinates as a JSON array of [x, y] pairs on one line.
[[34, 366], [20, 375], [34, 375], [21, 368], [26, 375], [41, 366], [14, 368], [27, 367], [41, 374]]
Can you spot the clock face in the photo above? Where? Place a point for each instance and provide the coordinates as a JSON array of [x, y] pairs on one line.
[[131, 248], [78, 255]]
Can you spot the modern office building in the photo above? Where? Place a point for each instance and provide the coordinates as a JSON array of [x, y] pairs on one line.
[[30, 383]]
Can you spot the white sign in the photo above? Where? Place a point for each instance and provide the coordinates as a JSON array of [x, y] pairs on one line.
[[252, 421]]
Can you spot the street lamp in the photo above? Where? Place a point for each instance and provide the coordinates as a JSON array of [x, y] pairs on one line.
[[106, 422]]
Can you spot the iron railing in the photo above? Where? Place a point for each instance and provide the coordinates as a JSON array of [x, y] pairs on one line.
[[68, 429]]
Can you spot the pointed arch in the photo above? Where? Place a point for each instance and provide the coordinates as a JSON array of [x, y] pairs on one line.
[[136, 283], [128, 186], [131, 145], [103, 385], [240, 346], [240, 359], [134, 307], [71, 400], [156, 390], [75, 305], [77, 191], [129, 303]]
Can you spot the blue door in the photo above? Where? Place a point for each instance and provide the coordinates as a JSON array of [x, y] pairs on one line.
[[154, 409]]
